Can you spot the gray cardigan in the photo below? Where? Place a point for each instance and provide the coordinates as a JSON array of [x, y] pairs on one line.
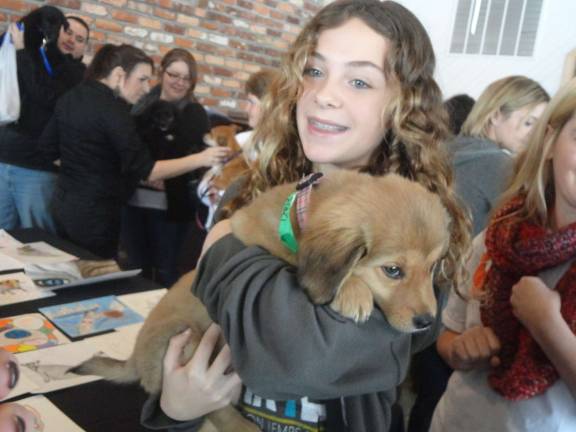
[[284, 347], [481, 170]]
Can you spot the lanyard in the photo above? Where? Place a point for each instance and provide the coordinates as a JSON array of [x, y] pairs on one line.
[[47, 64]]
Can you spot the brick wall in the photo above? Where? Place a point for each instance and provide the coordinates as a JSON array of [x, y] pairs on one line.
[[229, 38]]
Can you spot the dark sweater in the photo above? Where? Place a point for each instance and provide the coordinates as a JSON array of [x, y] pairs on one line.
[[38, 95]]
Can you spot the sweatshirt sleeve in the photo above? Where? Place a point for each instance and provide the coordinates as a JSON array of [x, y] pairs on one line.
[[285, 347], [153, 418]]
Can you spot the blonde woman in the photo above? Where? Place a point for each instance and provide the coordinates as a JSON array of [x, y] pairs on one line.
[[497, 128], [356, 92], [513, 343]]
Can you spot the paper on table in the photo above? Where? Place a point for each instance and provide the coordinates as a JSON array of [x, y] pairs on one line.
[[51, 417], [17, 288], [7, 240], [24, 385], [37, 253], [143, 302], [29, 332], [90, 316], [6, 262], [68, 275], [47, 370]]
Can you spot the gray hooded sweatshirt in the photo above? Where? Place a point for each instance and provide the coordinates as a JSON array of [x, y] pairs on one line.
[[481, 170], [284, 347]]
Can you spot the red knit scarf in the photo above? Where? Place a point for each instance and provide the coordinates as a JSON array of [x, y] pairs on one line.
[[515, 249]]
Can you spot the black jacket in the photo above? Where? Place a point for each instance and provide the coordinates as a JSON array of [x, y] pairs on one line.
[[38, 95], [94, 136]]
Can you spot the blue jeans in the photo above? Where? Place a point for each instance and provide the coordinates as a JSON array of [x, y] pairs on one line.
[[25, 195]]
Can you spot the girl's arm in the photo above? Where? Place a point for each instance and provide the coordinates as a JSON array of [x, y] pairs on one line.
[[538, 308], [283, 346]]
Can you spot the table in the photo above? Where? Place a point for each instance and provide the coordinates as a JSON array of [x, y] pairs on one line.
[[97, 406]]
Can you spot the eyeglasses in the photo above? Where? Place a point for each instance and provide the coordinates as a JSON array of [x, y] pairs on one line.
[[177, 77]]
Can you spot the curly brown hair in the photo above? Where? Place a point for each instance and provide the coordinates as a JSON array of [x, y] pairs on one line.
[[415, 118]]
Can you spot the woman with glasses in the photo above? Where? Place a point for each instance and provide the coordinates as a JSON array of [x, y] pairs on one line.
[[172, 123]]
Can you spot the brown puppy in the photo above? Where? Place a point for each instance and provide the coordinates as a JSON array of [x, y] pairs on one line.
[[367, 240], [218, 178]]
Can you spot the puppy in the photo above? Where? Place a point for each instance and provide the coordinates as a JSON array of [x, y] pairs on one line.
[[42, 26], [157, 129], [366, 240], [218, 178]]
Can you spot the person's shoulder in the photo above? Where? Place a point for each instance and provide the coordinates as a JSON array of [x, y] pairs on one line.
[[192, 108]]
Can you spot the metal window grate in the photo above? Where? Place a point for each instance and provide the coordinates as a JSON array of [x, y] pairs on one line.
[[496, 27]]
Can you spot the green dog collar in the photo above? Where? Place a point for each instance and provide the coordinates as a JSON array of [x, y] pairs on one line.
[[285, 230]]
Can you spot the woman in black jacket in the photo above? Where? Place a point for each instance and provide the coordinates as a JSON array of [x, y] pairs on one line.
[[101, 155], [172, 124]]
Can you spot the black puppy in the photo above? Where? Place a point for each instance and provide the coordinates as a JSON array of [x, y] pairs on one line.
[[157, 128], [42, 26]]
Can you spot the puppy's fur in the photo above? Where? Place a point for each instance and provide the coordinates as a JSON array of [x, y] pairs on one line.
[[42, 25], [368, 240], [218, 178]]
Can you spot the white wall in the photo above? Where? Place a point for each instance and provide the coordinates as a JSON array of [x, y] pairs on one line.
[[466, 73]]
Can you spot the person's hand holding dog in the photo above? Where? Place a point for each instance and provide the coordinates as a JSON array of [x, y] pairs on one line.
[[474, 348], [199, 387], [213, 156]]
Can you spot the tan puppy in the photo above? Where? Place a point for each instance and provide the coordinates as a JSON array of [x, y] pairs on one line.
[[367, 240], [218, 178]]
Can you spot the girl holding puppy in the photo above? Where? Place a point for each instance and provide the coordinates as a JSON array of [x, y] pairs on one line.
[[513, 344], [357, 92]]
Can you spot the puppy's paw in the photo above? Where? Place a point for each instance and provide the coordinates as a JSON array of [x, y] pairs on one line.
[[354, 300]]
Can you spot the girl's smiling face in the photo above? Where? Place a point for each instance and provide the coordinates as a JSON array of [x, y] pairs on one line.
[[344, 95]]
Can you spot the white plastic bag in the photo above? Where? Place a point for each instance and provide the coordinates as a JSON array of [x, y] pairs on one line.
[[9, 91]]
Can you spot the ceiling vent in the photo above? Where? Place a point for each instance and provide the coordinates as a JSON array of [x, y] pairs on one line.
[[496, 27]]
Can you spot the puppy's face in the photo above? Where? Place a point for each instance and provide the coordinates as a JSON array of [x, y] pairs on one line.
[[402, 284], [376, 240], [223, 136], [163, 117]]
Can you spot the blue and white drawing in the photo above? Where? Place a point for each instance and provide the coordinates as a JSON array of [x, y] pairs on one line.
[[91, 316]]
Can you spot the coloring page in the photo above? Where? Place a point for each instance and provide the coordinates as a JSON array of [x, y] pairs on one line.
[[17, 287], [28, 332], [91, 316]]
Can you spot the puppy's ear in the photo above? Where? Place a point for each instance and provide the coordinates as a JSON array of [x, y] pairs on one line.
[[326, 260]]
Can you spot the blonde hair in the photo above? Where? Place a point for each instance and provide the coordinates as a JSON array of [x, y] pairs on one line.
[[415, 118], [505, 96], [533, 174]]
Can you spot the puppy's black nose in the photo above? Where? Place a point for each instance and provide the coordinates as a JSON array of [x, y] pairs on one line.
[[423, 321]]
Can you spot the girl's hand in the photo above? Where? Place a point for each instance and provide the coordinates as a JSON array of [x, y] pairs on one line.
[[15, 418], [195, 389], [214, 156], [534, 303], [475, 348], [17, 36], [9, 372]]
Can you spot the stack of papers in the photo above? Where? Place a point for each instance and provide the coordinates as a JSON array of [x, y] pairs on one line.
[[38, 268]]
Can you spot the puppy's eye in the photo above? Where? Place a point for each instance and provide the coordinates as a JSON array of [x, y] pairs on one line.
[[393, 272]]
